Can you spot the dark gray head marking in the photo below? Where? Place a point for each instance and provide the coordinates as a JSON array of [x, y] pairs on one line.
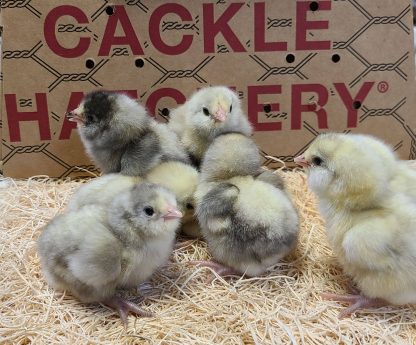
[[99, 107]]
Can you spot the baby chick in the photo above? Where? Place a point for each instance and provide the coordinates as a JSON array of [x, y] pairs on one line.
[[178, 177], [249, 224], [96, 250], [271, 177], [120, 136], [182, 180], [101, 190], [367, 197], [239, 157], [209, 112]]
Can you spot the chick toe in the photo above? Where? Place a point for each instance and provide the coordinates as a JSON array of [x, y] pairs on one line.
[[355, 302], [124, 307], [219, 269]]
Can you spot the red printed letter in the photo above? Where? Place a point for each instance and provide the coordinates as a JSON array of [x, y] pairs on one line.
[[109, 38], [298, 108], [14, 117], [254, 107], [260, 44], [348, 100], [50, 35], [154, 29], [303, 25], [212, 28], [160, 93]]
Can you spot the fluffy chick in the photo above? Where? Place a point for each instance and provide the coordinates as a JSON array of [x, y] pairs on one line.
[[209, 112], [101, 190], [182, 179], [231, 155], [178, 177], [367, 197], [120, 136], [271, 177], [96, 250], [249, 224]]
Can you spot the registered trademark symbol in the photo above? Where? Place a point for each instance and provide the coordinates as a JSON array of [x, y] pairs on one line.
[[382, 87]]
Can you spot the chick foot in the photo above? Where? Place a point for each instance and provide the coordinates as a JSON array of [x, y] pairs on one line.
[[123, 307], [218, 268], [356, 302]]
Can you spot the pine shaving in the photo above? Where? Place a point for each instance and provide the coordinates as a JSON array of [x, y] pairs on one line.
[[281, 307]]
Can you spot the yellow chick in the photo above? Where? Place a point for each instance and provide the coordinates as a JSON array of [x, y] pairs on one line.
[[248, 221], [208, 113], [182, 180], [367, 197]]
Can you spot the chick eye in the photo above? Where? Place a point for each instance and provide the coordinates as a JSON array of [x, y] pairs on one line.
[[149, 210], [231, 108], [189, 206], [316, 161], [206, 111], [90, 118]]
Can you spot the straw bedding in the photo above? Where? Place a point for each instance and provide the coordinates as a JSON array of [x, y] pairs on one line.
[[282, 307]]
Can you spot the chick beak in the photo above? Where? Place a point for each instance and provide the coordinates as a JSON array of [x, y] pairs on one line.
[[172, 213], [220, 115], [300, 160], [75, 116]]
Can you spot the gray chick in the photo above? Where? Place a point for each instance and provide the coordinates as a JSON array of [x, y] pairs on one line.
[[120, 136], [178, 177], [96, 250], [249, 224], [208, 113], [101, 190]]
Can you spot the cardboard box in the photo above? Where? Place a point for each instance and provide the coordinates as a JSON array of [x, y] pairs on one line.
[[299, 67]]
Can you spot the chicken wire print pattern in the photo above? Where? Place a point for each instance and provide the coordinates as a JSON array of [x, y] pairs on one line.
[[298, 72]]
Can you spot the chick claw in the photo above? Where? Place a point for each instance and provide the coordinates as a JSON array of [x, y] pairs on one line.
[[123, 307], [218, 268], [356, 302]]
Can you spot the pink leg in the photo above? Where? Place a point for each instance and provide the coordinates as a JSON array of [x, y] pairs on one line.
[[218, 268], [123, 307], [355, 302]]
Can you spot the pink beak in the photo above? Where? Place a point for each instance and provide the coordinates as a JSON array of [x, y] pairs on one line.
[[302, 161], [220, 115], [73, 116], [173, 213]]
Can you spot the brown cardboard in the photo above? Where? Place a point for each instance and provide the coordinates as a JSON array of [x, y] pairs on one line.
[[1, 86], [46, 45]]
